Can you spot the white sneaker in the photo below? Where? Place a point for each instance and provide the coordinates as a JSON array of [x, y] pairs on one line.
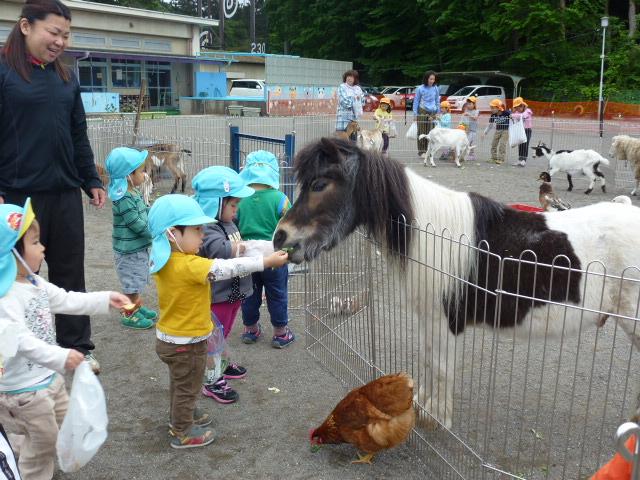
[[93, 363], [522, 163]]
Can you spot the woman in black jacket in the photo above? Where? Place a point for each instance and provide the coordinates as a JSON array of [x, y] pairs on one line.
[[45, 152]]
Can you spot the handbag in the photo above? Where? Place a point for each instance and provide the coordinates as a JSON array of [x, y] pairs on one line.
[[517, 135]]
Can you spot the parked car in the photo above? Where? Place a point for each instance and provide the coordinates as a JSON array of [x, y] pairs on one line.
[[247, 87], [485, 94], [370, 102], [385, 90], [399, 95]]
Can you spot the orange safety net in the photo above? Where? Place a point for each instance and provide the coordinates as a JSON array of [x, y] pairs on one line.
[[586, 110]]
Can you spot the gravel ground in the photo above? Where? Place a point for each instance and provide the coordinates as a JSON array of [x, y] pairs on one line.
[[265, 434]]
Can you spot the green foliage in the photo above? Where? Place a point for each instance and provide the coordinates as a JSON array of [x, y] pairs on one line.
[[556, 49]]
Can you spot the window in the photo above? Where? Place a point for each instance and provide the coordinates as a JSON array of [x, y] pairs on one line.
[[159, 83], [92, 75], [126, 73], [494, 91]]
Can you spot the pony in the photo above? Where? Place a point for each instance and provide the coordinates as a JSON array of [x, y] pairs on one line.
[[485, 246]]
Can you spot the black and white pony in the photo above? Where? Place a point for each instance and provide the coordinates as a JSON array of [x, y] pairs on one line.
[[342, 187]]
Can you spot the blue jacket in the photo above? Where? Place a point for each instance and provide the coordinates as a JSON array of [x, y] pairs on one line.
[[427, 98]]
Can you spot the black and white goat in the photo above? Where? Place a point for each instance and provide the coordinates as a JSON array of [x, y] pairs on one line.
[[572, 162]]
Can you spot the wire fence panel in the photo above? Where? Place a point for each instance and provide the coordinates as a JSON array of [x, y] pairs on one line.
[[539, 402]]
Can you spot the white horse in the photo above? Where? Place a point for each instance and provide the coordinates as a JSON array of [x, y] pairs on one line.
[[343, 187]]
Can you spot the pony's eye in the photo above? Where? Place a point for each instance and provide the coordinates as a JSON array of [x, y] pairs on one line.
[[319, 185]]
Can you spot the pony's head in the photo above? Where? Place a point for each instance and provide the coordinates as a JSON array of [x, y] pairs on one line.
[[339, 188]]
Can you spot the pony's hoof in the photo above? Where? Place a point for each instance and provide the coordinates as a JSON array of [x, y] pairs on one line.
[[587, 192], [569, 189], [604, 190]]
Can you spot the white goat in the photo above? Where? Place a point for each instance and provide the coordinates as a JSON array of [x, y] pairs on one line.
[[624, 147], [572, 162], [452, 138], [371, 139]]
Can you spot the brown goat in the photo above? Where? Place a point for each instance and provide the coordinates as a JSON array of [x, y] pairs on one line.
[[170, 155], [352, 127]]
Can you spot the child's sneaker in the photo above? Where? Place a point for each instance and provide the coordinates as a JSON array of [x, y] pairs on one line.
[[249, 337], [220, 392], [136, 321], [196, 437], [283, 340], [148, 313], [200, 419], [234, 372]]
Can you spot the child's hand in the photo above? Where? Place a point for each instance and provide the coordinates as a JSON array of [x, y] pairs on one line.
[[276, 259], [74, 358], [118, 300], [241, 249]]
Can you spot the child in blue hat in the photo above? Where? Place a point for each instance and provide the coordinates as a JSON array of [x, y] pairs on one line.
[[258, 218], [33, 398], [218, 190], [184, 294], [131, 237]]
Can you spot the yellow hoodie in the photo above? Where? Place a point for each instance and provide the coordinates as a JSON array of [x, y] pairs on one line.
[[384, 117]]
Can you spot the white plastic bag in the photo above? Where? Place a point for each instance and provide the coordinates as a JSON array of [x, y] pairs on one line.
[[413, 131], [517, 135], [215, 347], [84, 428], [393, 131]]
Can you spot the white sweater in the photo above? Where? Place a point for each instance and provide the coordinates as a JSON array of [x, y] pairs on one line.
[[27, 310]]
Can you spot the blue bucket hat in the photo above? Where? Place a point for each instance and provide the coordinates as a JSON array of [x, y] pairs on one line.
[[122, 161], [14, 222], [214, 183], [261, 167], [166, 212]]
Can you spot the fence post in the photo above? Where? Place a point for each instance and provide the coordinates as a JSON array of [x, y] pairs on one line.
[[234, 147], [553, 126], [290, 147]]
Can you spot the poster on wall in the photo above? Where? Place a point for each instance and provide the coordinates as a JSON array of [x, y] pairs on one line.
[[101, 102], [301, 100]]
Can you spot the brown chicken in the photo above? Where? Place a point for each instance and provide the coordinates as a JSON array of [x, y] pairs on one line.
[[374, 417]]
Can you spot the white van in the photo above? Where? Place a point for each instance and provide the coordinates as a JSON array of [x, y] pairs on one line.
[[485, 94], [247, 87]]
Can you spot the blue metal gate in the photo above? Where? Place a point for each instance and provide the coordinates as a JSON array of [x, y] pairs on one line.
[[284, 149]]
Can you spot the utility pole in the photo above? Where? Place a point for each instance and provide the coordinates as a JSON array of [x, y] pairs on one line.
[[221, 23], [252, 22]]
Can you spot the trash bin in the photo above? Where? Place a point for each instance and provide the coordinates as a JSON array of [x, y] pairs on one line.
[[234, 110], [251, 111]]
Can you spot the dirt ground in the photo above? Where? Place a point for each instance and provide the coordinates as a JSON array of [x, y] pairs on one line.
[[265, 434]]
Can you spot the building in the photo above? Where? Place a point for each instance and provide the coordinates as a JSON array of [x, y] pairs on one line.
[[113, 48]]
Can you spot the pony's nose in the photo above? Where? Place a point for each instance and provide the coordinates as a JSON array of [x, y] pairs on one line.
[[279, 238]]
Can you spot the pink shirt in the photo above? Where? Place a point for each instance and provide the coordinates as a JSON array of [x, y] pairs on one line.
[[527, 117]]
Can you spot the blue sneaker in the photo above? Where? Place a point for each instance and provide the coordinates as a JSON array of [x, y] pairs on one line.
[[249, 337], [282, 341]]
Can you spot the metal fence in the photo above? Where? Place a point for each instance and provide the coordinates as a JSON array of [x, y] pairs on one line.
[[209, 140], [541, 404]]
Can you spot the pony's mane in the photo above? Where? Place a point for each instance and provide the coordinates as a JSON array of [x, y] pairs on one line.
[[387, 213]]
